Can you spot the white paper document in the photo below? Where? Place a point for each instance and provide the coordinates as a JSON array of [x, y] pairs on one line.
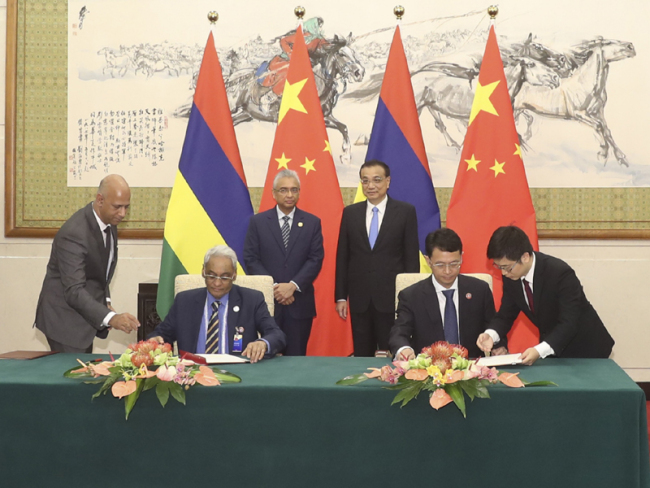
[[504, 360], [223, 359]]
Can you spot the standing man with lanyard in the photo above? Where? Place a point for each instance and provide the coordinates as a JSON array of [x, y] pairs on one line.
[[378, 240]]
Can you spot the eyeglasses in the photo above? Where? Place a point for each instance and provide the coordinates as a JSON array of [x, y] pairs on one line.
[[284, 191], [211, 277], [376, 180], [507, 267], [449, 266]]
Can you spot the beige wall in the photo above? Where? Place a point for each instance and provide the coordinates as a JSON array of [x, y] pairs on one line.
[[614, 275]]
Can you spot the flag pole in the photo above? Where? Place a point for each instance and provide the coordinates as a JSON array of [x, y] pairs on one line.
[[213, 17], [399, 13]]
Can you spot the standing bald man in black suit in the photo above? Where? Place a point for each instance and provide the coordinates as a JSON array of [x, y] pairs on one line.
[[75, 304]]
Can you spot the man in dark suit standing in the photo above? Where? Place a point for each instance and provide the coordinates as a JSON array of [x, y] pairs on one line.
[[377, 241], [75, 301], [287, 244], [548, 291], [221, 318], [447, 306]]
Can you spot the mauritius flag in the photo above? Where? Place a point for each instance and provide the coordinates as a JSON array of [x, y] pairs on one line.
[[209, 203], [396, 140]]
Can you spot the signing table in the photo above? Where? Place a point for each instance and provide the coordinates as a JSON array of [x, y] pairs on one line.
[[288, 425]]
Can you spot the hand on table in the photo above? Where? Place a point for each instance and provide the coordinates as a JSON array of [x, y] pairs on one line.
[[529, 356], [255, 351]]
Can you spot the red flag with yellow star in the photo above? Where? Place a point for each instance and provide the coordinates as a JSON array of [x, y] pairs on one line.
[[491, 189], [301, 144]]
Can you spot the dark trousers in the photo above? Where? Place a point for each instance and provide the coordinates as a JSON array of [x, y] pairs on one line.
[[58, 347], [370, 331], [296, 330]]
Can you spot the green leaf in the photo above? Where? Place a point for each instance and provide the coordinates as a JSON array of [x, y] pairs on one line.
[[162, 392], [106, 386], [456, 394], [482, 389], [69, 373], [409, 393], [129, 400], [469, 387], [226, 376], [95, 381], [177, 392], [537, 383], [354, 379], [150, 383]]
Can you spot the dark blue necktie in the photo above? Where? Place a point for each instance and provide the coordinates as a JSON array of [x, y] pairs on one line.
[[451, 321]]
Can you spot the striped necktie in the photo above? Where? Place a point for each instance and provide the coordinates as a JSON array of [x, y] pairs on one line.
[[212, 341], [285, 231]]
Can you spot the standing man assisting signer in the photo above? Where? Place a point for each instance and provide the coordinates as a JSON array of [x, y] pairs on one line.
[[548, 291], [75, 301]]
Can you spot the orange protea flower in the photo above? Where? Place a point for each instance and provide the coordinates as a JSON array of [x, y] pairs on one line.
[[460, 350], [443, 364], [441, 349]]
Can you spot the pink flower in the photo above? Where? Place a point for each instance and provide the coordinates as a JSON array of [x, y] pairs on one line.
[[166, 373]]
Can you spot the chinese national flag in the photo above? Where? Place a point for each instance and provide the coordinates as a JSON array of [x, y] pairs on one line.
[[301, 144], [491, 188]]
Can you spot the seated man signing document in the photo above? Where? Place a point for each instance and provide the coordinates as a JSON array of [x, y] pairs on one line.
[[222, 318], [447, 306]]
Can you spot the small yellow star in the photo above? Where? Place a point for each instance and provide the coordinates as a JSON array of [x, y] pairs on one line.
[[482, 100], [283, 161], [290, 99], [309, 165], [328, 148], [498, 168], [472, 163], [517, 150]]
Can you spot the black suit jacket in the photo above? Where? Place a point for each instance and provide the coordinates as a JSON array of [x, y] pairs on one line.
[[246, 308], [419, 323], [365, 274], [565, 318], [72, 303], [300, 261]]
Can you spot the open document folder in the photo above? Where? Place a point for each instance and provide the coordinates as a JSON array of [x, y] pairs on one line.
[[212, 358], [505, 360]]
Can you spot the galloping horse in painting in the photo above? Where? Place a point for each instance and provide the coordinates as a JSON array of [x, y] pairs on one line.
[[336, 66], [452, 96], [582, 96]]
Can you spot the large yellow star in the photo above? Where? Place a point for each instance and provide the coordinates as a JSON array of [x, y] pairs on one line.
[[309, 165], [290, 99], [283, 161], [472, 163], [498, 168], [482, 100], [328, 148], [517, 150]]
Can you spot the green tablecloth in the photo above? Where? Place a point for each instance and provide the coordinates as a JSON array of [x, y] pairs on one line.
[[288, 425]]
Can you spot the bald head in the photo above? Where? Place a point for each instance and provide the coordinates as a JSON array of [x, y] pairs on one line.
[[112, 200]]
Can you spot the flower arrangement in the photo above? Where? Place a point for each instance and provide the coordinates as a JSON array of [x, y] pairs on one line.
[[444, 370], [145, 366]]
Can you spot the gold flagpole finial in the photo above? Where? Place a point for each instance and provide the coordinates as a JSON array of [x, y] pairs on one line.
[[299, 12], [399, 12], [213, 17], [493, 11]]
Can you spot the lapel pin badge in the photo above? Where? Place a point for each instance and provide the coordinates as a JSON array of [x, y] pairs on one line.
[[468, 296], [299, 224], [235, 308]]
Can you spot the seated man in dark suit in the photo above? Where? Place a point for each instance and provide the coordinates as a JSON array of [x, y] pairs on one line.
[[222, 318], [445, 307], [548, 291]]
